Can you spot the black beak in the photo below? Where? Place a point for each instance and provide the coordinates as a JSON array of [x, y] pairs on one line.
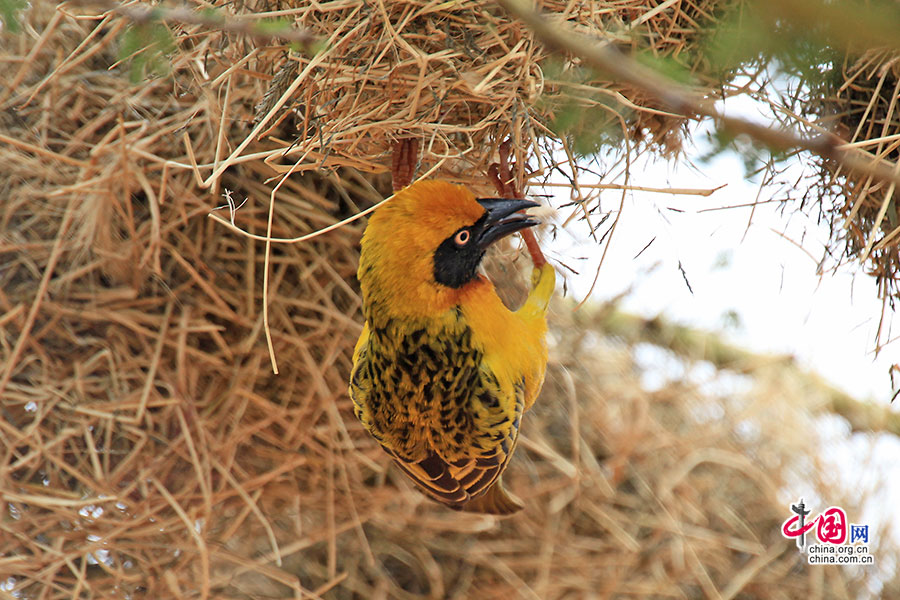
[[503, 218]]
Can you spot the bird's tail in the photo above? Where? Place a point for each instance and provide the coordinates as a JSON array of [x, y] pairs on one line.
[[494, 501]]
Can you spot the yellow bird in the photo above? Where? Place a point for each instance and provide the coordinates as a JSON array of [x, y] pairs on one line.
[[443, 371]]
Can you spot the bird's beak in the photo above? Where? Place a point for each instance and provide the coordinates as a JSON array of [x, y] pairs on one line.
[[503, 218]]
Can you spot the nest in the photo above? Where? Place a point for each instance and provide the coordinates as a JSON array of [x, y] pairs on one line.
[[149, 451], [864, 111], [462, 77]]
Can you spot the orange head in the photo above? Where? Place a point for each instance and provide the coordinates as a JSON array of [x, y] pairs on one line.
[[421, 250]]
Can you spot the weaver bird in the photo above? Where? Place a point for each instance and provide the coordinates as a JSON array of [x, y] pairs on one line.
[[443, 371]]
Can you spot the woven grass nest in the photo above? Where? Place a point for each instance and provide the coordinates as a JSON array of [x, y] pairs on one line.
[[864, 110], [149, 452], [461, 77]]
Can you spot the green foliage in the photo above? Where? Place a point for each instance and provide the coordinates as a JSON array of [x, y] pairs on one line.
[[665, 65], [731, 320], [148, 47], [9, 10], [272, 26], [276, 27], [590, 128], [800, 38], [583, 109], [739, 39], [589, 119], [311, 49], [795, 49], [212, 14], [755, 155]]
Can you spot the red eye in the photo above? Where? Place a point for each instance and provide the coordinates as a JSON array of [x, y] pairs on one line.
[[462, 237]]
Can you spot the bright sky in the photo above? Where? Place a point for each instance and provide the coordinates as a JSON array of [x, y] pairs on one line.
[[828, 322], [766, 276]]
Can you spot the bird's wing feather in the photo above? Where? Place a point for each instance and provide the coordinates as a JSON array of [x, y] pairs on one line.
[[458, 482], [361, 383], [432, 474], [361, 343], [455, 483]]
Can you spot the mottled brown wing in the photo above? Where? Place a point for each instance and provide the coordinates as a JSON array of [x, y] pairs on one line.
[[360, 388], [432, 474], [455, 483]]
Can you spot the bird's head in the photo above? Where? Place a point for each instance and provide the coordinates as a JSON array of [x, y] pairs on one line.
[[421, 250]]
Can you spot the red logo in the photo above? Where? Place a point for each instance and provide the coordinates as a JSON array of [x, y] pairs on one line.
[[831, 526]]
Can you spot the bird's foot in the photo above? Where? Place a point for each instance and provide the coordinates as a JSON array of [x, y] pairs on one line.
[[504, 182], [501, 174], [403, 162]]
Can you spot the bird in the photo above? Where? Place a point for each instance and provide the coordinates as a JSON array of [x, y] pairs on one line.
[[443, 371]]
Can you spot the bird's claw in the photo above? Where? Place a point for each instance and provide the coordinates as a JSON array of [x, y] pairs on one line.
[[501, 176], [403, 162]]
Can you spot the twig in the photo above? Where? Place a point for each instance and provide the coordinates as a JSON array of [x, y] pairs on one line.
[[318, 232], [639, 188], [612, 230], [55, 253], [684, 101]]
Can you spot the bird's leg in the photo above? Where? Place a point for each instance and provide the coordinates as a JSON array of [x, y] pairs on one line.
[[403, 162], [503, 180]]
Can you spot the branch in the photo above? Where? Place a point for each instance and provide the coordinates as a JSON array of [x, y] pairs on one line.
[[697, 345], [679, 99]]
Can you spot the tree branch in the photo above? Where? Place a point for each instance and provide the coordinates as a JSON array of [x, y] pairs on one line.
[[697, 345], [680, 99]]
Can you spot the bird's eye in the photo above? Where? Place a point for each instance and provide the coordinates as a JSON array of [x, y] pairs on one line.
[[462, 237]]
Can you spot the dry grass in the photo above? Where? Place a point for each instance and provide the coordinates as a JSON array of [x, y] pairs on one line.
[[864, 110], [149, 452], [461, 79]]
